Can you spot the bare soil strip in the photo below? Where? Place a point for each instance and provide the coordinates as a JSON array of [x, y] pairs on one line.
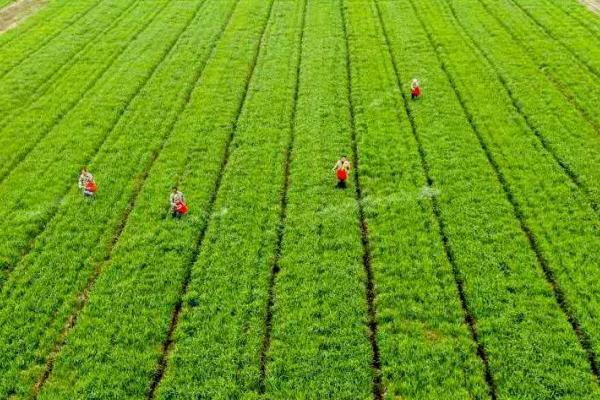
[[12, 15], [168, 343], [468, 315], [593, 5], [378, 388], [140, 180], [276, 267]]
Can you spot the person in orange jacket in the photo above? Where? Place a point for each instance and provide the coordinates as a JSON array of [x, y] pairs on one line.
[[342, 168], [415, 89], [178, 206], [87, 183]]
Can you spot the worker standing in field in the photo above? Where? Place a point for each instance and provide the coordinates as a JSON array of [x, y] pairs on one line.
[[415, 89], [87, 183], [341, 169], [178, 206]]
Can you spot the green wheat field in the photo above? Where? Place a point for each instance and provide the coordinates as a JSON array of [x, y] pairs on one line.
[[462, 260]]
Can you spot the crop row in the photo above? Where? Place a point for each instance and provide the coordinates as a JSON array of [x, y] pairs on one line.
[[48, 167], [218, 342], [320, 334], [504, 284], [378, 389], [55, 100], [579, 47], [19, 44], [564, 134], [131, 307], [57, 11], [30, 89], [561, 226], [22, 84], [66, 259], [582, 20], [570, 77], [410, 266]]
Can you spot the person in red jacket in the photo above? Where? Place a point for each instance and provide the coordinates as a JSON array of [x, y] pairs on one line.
[[415, 89], [87, 183], [341, 169], [178, 206]]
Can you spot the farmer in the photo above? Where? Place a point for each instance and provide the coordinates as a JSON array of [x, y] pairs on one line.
[[178, 206], [341, 169], [415, 90], [86, 183]]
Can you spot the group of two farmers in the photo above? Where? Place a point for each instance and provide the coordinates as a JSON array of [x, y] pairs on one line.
[[176, 199]]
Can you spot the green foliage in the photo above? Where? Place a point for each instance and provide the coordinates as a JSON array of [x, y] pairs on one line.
[[39, 30], [411, 269], [79, 236], [507, 164], [320, 346], [142, 282], [472, 213], [29, 81], [66, 129]]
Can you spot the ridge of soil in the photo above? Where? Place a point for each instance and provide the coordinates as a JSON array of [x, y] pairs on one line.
[[13, 14]]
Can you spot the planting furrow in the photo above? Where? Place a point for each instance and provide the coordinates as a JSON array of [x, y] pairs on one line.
[[25, 185], [378, 389], [198, 247], [139, 182], [536, 131], [17, 54], [515, 179], [584, 51], [12, 105], [233, 338], [153, 252], [276, 264], [532, 351], [320, 324], [569, 78]]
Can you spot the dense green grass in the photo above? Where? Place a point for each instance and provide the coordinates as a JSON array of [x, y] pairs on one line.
[[19, 85], [461, 262], [40, 30]]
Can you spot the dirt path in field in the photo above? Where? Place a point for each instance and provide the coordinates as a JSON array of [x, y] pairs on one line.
[[12, 15], [593, 5]]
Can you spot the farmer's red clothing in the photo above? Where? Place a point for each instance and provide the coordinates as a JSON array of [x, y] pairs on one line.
[[415, 89], [341, 169]]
